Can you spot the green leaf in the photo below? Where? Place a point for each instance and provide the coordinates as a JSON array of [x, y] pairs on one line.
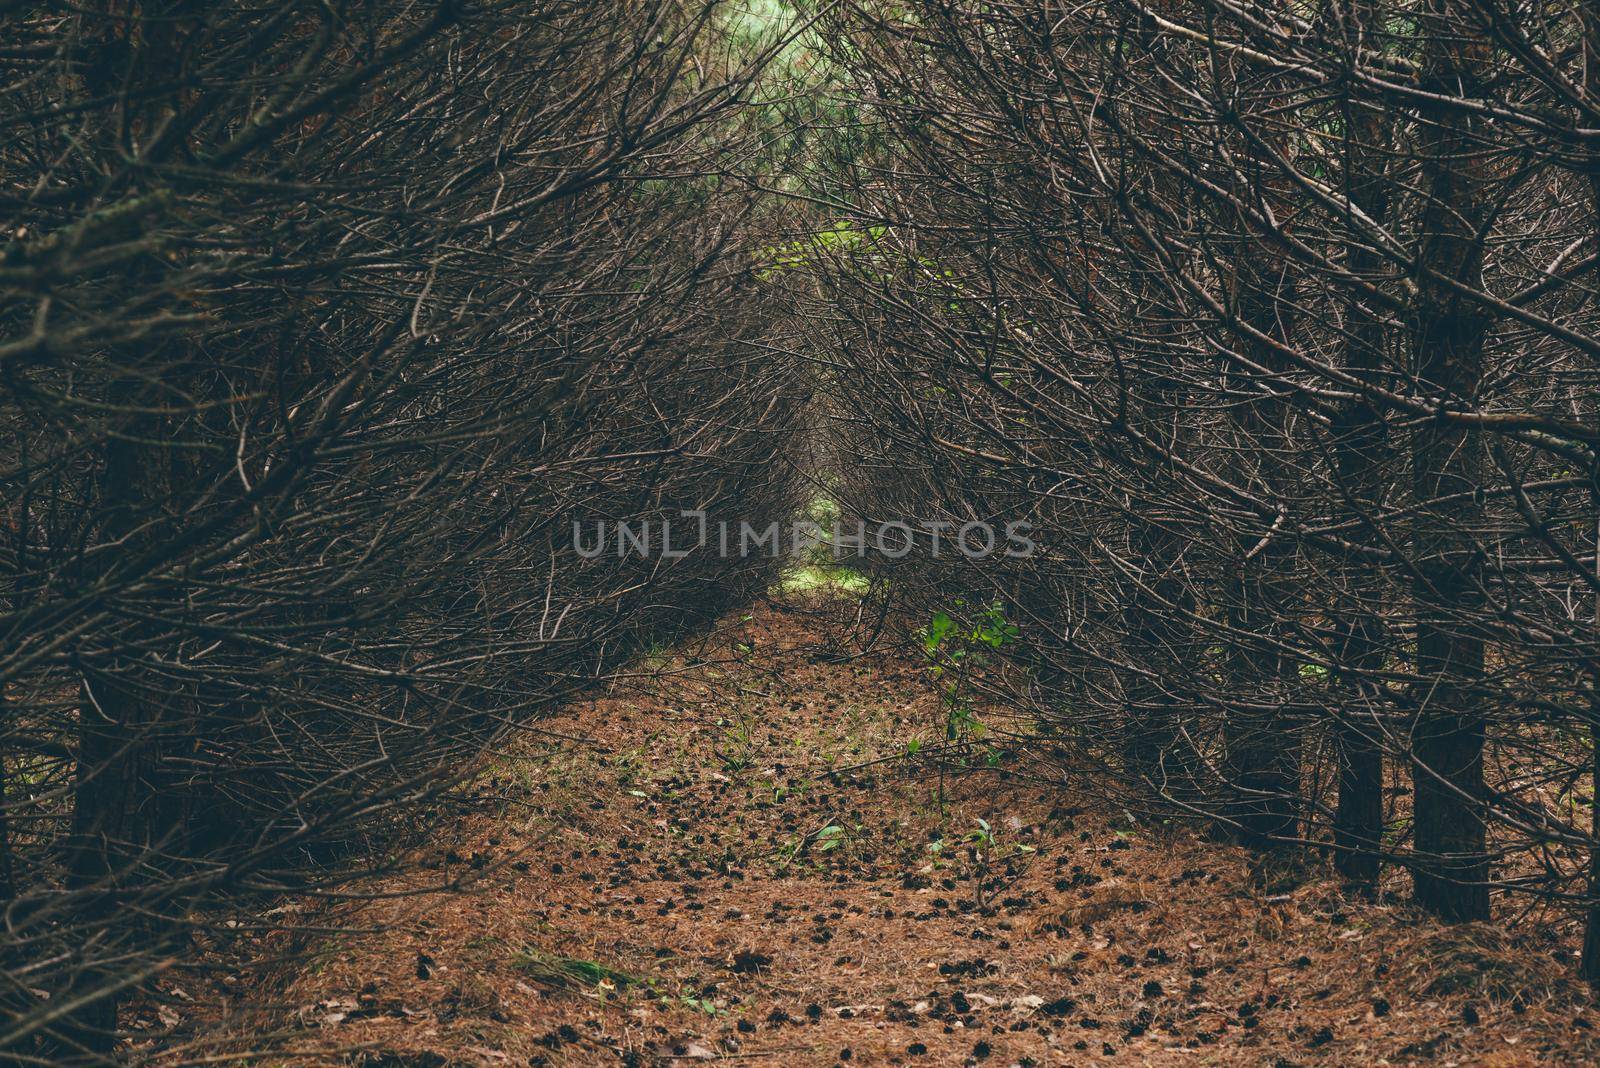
[[937, 628]]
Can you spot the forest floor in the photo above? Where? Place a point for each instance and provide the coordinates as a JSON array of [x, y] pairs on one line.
[[728, 858]]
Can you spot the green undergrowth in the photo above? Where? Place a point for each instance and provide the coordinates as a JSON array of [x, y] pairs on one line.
[[810, 577]]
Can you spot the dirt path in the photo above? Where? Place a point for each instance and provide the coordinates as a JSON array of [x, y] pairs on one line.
[[691, 883]]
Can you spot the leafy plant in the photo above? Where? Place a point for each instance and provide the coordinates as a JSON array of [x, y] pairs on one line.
[[571, 972], [738, 750], [953, 651]]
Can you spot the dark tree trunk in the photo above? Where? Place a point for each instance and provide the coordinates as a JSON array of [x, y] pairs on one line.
[[8, 883], [1358, 816], [1157, 617], [1261, 735], [1589, 963], [116, 795], [1158, 634], [1262, 738], [1451, 869], [1361, 454]]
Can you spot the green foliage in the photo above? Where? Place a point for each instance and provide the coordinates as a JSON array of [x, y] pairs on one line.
[[808, 577], [697, 1004], [570, 972], [841, 237], [985, 848], [818, 569], [738, 749], [953, 650], [934, 633], [992, 630]]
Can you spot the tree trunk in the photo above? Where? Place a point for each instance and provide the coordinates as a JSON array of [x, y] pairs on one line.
[[1261, 737], [1451, 869], [1589, 963], [115, 797], [1361, 453], [1157, 616], [1158, 633]]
